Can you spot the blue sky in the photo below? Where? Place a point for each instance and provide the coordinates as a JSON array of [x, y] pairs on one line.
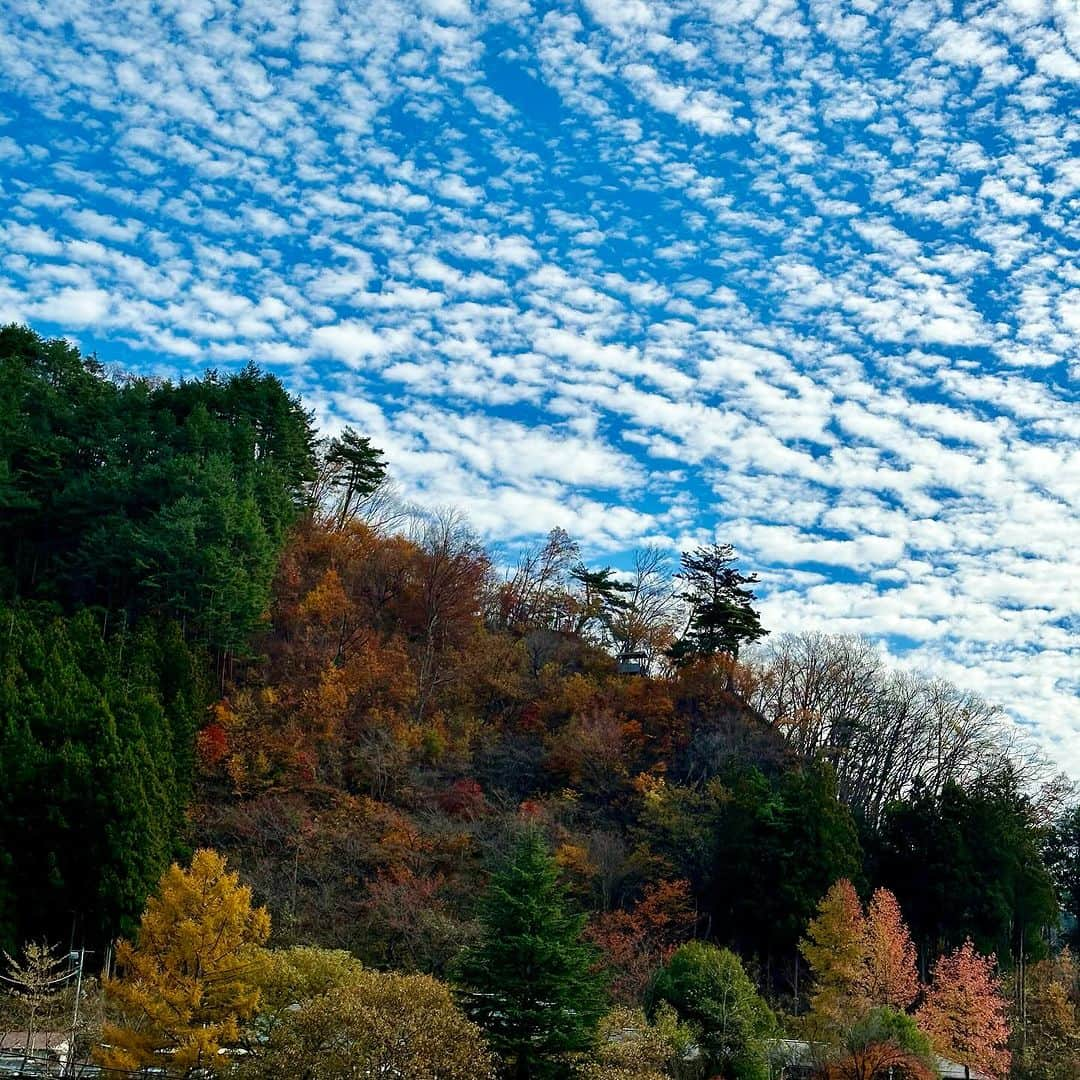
[[799, 276]]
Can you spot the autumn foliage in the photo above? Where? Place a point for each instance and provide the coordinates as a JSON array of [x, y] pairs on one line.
[[183, 987], [890, 974], [965, 1013]]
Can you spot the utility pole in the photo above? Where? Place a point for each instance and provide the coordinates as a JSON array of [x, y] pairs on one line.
[[70, 1063]]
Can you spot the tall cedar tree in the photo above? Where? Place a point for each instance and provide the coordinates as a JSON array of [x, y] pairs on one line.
[[95, 771], [965, 1013], [778, 846], [187, 982], [530, 982], [968, 862], [150, 514]]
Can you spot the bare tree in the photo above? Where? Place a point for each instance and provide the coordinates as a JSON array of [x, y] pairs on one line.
[[883, 731], [453, 574], [648, 622], [536, 595], [33, 982]]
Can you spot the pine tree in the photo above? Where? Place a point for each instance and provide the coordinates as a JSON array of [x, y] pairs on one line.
[[530, 981], [721, 614], [188, 981]]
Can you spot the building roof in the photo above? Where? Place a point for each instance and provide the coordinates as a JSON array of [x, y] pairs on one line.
[[951, 1070], [39, 1041], [800, 1053]]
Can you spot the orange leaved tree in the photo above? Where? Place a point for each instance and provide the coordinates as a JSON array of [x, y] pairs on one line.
[[891, 976], [835, 950], [965, 1012]]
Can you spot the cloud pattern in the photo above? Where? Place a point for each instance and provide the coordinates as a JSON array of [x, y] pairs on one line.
[[800, 275]]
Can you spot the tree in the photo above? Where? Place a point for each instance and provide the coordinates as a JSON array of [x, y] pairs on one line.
[[835, 949], [529, 982], [645, 622], [780, 843], [628, 1047], [146, 497], [891, 976], [635, 942], [34, 981], [884, 731], [287, 977], [95, 770], [187, 982], [965, 1013], [1062, 854], [375, 1024], [969, 862], [721, 617], [882, 1044], [351, 470], [1047, 1030], [709, 990], [601, 598]]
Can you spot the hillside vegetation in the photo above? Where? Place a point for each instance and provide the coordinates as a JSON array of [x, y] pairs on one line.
[[221, 631]]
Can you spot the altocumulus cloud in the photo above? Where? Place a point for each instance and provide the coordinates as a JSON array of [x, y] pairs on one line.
[[797, 274]]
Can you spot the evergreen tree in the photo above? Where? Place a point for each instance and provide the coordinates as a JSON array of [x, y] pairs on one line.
[[146, 498], [354, 468], [970, 863], [94, 772], [779, 845], [530, 981], [722, 617]]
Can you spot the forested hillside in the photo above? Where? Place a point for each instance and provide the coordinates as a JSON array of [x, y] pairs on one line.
[[218, 630]]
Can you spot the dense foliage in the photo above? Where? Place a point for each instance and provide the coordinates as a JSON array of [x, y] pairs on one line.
[[140, 526], [529, 981]]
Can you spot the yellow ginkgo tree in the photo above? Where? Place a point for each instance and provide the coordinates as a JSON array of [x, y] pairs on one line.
[[182, 989]]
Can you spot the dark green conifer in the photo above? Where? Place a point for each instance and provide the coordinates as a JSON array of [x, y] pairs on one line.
[[531, 982]]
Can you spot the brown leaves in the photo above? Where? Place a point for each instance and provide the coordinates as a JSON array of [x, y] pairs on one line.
[[890, 976], [859, 961], [637, 942]]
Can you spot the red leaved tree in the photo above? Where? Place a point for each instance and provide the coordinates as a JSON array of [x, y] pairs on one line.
[[635, 943], [877, 1060], [965, 1012]]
